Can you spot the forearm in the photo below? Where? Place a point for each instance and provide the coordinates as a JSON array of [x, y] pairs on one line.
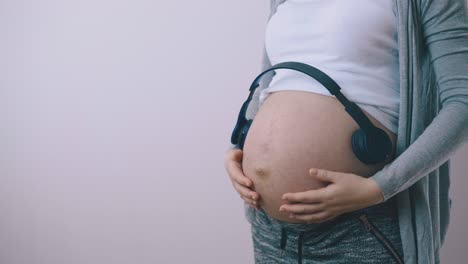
[[444, 136]]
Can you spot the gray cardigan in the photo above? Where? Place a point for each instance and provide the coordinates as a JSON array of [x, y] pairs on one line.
[[433, 120]]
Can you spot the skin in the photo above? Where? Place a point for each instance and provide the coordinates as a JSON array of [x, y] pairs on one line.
[[340, 195]]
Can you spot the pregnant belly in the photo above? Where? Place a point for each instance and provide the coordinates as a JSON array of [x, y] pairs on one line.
[[294, 131]]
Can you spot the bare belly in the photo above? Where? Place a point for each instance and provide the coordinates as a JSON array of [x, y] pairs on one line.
[[292, 132]]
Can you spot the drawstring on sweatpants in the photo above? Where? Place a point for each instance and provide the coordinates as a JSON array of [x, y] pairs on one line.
[[284, 237], [299, 248]]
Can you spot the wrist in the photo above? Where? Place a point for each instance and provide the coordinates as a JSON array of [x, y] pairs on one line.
[[376, 194]]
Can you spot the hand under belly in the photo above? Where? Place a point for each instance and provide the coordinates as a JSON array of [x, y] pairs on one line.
[[292, 132]]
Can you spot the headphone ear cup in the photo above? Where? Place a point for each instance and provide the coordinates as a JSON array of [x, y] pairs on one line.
[[237, 130], [243, 133], [358, 143], [371, 148]]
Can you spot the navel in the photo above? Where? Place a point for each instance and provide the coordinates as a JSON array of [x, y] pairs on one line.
[[262, 172]]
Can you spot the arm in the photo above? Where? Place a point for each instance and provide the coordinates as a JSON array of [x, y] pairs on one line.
[[445, 31]]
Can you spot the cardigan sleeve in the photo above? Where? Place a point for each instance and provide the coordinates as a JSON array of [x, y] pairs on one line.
[[445, 32]]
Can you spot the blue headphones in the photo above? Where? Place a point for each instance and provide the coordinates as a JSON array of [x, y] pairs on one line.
[[370, 144]]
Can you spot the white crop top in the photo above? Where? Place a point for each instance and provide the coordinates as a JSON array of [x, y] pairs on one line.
[[354, 42]]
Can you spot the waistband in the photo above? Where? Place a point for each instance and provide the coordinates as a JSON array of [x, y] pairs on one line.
[[387, 207]]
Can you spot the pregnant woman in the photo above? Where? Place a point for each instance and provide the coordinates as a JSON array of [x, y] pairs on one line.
[[314, 200]]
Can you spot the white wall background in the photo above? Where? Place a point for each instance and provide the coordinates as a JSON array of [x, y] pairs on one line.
[[115, 116]]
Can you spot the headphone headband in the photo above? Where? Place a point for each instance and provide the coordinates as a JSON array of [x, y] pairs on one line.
[[356, 113]]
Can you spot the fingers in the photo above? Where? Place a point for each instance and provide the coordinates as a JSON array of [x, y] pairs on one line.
[[251, 202], [236, 174], [302, 208], [241, 183], [244, 191], [310, 196]]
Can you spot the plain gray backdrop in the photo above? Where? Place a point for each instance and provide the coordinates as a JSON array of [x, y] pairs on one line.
[[115, 117]]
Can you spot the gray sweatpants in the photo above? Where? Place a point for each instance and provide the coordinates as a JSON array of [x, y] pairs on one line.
[[368, 235]]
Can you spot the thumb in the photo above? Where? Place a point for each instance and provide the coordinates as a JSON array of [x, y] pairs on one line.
[[324, 175], [237, 155]]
